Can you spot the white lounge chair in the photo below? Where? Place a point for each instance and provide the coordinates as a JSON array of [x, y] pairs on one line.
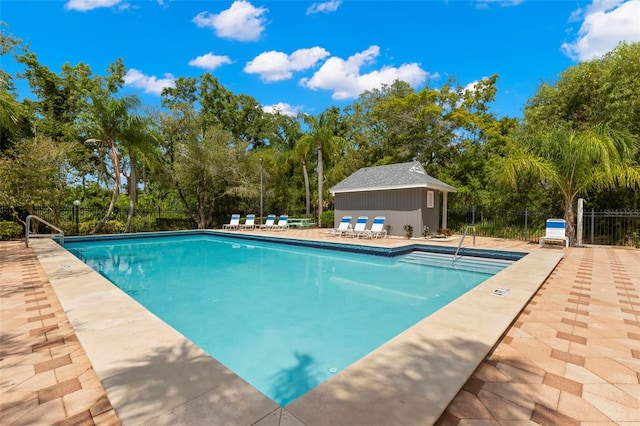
[[345, 225], [249, 223], [361, 226], [377, 229], [556, 231], [282, 223], [269, 223], [234, 223]]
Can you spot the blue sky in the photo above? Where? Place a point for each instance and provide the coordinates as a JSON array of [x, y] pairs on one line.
[[306, 56]]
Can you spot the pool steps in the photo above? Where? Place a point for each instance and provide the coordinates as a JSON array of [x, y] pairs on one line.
[[463, 263]]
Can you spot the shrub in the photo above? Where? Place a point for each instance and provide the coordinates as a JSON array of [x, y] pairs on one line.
[[326, 218], [408, 231], [445, 232], [10, 230], [110, 227]]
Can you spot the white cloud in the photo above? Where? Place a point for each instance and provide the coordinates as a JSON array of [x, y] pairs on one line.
[[484, 4], [242, 21], [85, 5], [324, 7], [149, 84], [210, 61], [344, 78], [605, 24], [277, 66], [282, 108]]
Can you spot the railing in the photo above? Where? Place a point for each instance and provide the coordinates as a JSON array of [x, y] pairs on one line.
[[455, 255], [27, 230]]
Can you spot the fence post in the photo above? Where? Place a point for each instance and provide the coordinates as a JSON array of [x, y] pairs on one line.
[[580, 214], [526, 223], [473, 215], [593, 223]]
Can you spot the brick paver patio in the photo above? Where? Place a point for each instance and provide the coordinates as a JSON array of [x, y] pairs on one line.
[[572, 357]]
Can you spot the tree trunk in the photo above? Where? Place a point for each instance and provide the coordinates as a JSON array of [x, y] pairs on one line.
[[116, 187], [307, 191], [320, 179], [569, 219], [112, 205], [133, 194]]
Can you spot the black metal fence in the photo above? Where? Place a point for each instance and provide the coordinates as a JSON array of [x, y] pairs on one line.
[[617, 228], [78, 220], [613, 227]]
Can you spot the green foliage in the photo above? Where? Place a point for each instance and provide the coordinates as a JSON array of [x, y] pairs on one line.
[[327, 218], [110, 227], [34, 172], [408, 230], [446, 232], [10, 231]]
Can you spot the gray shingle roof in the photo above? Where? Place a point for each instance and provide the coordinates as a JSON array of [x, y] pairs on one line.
[[393, 176]]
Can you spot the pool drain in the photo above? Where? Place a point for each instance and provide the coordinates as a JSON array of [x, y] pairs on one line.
[[333, 370]]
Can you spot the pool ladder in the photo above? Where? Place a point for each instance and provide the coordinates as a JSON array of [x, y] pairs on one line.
[[455, 255], [27, 231]]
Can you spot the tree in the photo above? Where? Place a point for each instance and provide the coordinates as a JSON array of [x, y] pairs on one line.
[[597, 92], [603, 92], [204, 171], [303, 149], [107, 122], [35, 172], [574, 163], [139, 144], [322, 133]]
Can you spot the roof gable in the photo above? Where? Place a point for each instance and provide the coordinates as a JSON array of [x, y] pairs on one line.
[[392, 176]]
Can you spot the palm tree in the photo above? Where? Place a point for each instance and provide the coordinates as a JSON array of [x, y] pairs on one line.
[[321, 134], [138, 143], [303, 149], [109, 121], [575, 162]]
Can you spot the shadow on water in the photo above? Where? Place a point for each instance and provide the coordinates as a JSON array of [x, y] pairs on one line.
[[290, 383]]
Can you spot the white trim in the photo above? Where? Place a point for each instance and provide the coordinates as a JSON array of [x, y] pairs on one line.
[[430, 199], [386, 188]]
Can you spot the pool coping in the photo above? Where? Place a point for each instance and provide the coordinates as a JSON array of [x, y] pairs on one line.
[[152, 374]]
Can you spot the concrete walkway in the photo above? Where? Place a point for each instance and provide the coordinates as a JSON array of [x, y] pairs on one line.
[[45, 375], [571, 357]]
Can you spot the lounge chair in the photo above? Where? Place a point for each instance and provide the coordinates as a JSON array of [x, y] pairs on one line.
[[345, 225], [361, 226], [282, 223], [377, 229], [270, 222], [249, 223], [234, 223], [556, 231]]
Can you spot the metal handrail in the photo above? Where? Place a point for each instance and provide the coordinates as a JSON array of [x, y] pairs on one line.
[[27, 231], [455, 255]]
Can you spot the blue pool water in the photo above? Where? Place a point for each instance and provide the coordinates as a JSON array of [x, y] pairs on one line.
[[284, 318]]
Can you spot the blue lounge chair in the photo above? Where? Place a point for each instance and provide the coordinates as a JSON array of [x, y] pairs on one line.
[[282, 223], [249, 223], [556, 231], [361, 226], [377, 228], [234, 223], [345, 225], [270, 222]]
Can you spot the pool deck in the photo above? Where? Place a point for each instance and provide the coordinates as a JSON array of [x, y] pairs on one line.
[[568, 351]]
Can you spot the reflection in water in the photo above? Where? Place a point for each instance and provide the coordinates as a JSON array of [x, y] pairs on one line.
[[290, 383]]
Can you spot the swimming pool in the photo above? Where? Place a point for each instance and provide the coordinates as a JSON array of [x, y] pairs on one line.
[[285, 318]]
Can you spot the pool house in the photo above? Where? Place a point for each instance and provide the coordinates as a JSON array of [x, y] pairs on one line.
[[404, 193]]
